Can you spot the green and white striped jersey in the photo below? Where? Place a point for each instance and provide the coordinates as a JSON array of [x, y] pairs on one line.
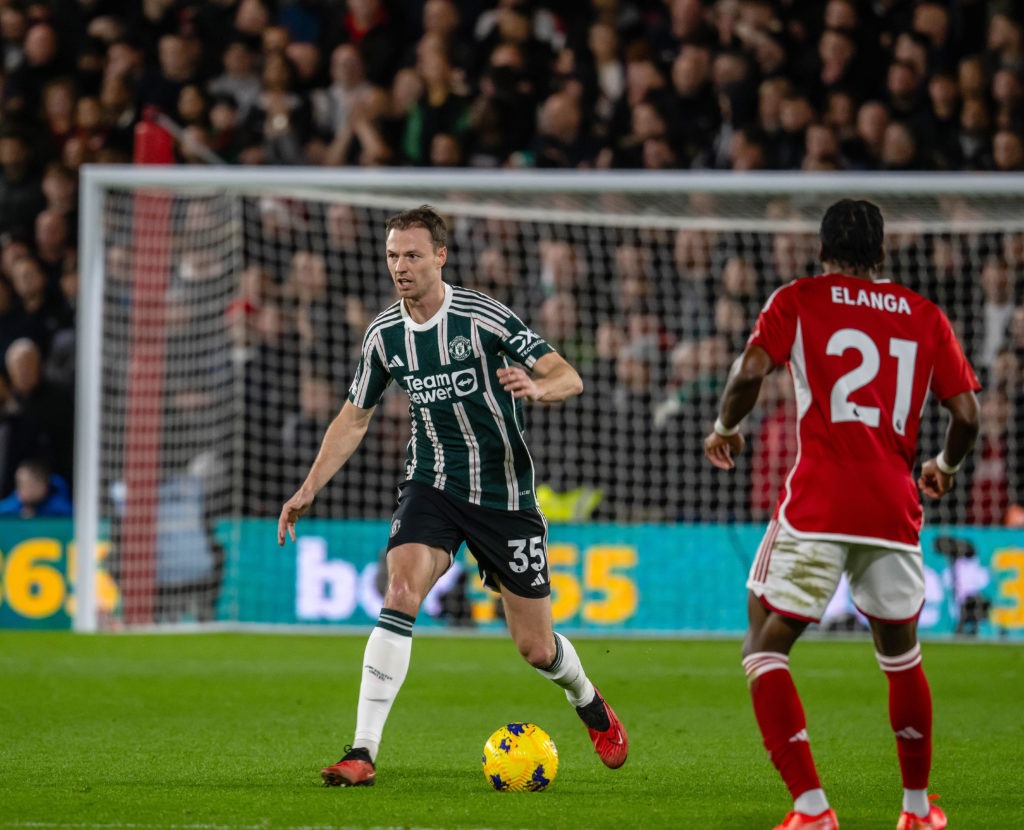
[[467, 433]]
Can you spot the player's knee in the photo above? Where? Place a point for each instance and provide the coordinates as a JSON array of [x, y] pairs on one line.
[[402, 596]]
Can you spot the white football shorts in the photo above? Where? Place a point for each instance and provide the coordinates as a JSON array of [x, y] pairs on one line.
[[798, 576]]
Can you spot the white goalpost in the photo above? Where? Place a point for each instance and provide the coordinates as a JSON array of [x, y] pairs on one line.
[[219, 322]]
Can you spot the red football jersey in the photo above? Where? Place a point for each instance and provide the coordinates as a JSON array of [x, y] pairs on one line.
[[863, 356]]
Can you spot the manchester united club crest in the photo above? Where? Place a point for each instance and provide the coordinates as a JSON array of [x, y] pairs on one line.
[[395, 525], [460, 348]]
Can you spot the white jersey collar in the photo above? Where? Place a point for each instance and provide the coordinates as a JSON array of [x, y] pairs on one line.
[[441, 312]]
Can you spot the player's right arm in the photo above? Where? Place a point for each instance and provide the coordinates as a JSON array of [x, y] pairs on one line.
[[768, 346], [960, 437], [343, 435], [738, 399]]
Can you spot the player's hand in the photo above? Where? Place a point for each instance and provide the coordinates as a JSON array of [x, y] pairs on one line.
[[933, 482], [519, 383], [292, 511], [721, 449]]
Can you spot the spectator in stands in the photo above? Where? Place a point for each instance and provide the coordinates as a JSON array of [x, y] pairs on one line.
[[559, 267], [1005, 41], [795, 116], [21, 195], [974, 137], [900, 148], [500, 117], [972, 78], [696, 102], [332, 106], [303, 430], [14, 322], [59, 97], [281, 113], [42, 62], [692, 257], [989, 494], [774, 451], [626, 440], [239, 78], [559, 324], [44, 307], [872, 121], [37, 493], [326, 323], [945, 112], [178, 67], [1008, 151], [997, 309], [52, 244], [1008, 96], [45, 410], [441, 21], [440, 109], [60, 189], [559, 133]]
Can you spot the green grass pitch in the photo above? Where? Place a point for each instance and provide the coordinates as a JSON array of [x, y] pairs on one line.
[[224, 731]]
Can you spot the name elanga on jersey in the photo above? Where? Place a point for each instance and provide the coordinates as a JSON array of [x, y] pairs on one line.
[[880, 300]]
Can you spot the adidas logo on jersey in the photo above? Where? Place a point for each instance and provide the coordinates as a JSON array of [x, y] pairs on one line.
[[395, 361]]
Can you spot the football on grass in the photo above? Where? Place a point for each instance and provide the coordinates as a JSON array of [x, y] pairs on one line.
[[520, 757]]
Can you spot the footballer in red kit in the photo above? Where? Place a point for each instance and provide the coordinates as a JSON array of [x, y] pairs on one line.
[[864, 355]]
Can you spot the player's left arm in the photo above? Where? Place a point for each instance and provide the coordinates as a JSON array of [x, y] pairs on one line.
[[954, 383], [552, 380], [739, 398]]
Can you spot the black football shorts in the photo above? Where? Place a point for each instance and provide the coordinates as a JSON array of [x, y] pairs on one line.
[[510, 546]]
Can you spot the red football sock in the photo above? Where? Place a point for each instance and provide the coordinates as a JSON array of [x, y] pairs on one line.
[[781, 717], [910, 714]]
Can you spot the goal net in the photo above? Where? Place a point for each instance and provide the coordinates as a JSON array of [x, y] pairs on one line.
[[222, 315]]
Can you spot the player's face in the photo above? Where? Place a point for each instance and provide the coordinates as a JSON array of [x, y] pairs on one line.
[[414, 264]]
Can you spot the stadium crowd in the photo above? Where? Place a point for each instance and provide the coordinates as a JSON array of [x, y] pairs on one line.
[[650, 320]]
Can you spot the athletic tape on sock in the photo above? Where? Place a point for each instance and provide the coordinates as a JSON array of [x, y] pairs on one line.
[[762, 662], [901, 662]]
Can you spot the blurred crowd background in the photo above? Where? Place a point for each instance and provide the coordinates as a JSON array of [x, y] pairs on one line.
[[652, 318]]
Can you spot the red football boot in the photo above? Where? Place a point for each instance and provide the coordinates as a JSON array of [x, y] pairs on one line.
[[611, 742], [936, 819], [355, 769], [802, 821]]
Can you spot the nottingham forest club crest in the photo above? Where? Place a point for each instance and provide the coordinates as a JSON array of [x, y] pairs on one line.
[[460, 348]]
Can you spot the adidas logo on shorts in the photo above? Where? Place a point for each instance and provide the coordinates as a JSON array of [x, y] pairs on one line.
[[539, 581]]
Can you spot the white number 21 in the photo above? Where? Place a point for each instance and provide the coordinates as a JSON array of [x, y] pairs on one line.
[[905, 352]]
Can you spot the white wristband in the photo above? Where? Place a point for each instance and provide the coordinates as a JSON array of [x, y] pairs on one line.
[[722, 429], [942, 464]]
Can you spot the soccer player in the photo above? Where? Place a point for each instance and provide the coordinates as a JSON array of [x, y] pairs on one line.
[[469, 478], [863, 353]]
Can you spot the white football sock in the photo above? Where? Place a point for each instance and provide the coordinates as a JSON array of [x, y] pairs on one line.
[[916, 802], [567, 671], [811, 803], [385, 664]]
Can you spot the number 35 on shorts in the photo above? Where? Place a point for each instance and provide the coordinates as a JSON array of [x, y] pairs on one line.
[[527, 553]]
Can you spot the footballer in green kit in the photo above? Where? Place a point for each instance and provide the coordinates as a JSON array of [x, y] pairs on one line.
[[469, 478]]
